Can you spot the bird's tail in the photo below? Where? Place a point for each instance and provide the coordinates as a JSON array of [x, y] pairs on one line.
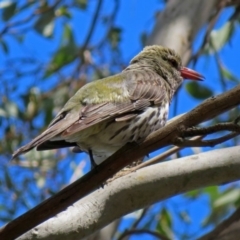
[[51, 132], [45, 136]]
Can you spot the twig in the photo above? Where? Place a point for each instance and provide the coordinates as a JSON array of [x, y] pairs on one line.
[[205, 143], [193, 131], [88, 38], [28, 18], [161, 157], [93, 25], [210, 27], [135, 224]]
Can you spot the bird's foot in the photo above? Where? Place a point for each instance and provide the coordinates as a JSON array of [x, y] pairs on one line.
[[125, 171]]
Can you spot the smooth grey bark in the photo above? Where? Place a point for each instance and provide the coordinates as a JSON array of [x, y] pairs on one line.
[[140, 189], [179, 23]]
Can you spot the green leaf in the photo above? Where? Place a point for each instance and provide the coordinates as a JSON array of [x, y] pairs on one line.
[[215, 217], [228, 198], [114, 36], [165, 223], [11, 109], [193, 194], [228, 75], [8, 179], [82, 3], [65, 54], [143, 38], [198, 90], [48, 110], [41, 181], [212, 192], [63, 11], [218, 38], [9, 9], [45, 24], [5, 4], [62, 57], [2, 113], [67, 36], [220, 203], [4, 46]]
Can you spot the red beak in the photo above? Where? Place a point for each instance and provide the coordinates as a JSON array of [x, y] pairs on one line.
[[191, 74]]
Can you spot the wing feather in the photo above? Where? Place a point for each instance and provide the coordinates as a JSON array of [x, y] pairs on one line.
[[145, 88], [52, 131], [103, 112]]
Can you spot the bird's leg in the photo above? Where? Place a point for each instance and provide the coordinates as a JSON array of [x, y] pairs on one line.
[[93, 164]]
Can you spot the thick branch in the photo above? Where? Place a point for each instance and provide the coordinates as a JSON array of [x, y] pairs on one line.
[[207, 110], [179, 23], [138, 190], [91, 181]]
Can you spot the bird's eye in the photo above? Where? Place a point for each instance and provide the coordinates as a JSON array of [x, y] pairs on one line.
[[173, 62]]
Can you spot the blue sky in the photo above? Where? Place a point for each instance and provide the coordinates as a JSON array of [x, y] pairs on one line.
[[135, 17]]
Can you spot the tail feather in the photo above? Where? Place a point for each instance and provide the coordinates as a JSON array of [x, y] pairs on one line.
[[48, 134], [45, 136], [55, 145]]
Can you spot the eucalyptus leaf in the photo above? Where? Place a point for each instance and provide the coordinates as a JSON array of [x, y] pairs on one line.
[[228, 75], [63, 11], [45, 24], [114, 36], [4, 46], [62, 57], [2, 113], [198, 91], [67, 36], [8, 10], [5, 4], [11, 109], [82, 3], [228, 198], [218, 38], [164, 225]]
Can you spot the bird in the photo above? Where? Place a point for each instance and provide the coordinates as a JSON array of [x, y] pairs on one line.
[[108, 113]]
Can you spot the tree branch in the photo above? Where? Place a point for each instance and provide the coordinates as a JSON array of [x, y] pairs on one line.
[[205, 143], [92, 180], [138, 190], [176, 28]]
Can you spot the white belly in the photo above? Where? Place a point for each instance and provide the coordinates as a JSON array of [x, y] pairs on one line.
[[115, 135]]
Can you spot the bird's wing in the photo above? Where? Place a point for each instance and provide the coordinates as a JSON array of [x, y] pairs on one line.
[[150, 87], [59, 124], [143, 93], [65, 125], [94, 114]]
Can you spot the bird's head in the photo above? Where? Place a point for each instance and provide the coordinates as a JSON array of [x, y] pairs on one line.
[[167, 63]]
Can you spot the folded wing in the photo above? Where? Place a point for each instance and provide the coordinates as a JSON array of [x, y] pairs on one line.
[[144, 92]]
